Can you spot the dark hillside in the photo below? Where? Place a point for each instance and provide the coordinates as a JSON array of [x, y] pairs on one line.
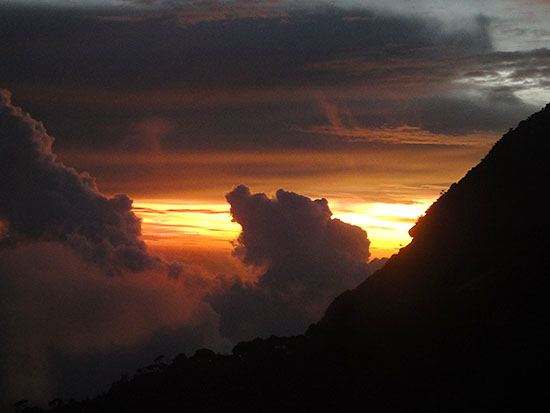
[[467, 301]]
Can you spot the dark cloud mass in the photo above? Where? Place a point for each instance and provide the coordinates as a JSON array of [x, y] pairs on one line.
[[308, 257], [248, 74], [83, 49], [58, 309], [42, 199], [251, 79]]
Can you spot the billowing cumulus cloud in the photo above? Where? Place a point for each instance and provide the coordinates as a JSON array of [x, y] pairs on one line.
[[307, 257], [42, 199]]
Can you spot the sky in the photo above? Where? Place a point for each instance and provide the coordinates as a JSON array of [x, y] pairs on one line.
[[206, 171]]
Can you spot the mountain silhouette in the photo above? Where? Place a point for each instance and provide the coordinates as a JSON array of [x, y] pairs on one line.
[[463, 310], [455, 321]]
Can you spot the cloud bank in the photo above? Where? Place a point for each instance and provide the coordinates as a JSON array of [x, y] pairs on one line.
[[42, 199], [308, 257]]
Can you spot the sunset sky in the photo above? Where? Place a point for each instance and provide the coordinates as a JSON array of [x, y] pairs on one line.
[[374, 106]]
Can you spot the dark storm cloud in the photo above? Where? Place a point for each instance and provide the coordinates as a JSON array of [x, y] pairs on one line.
[[308, 257]]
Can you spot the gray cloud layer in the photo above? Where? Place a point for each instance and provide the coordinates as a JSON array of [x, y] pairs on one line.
[[113, 75], [388, 65], [85, 49]]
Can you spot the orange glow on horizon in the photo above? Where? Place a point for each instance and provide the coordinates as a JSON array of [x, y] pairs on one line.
[[198, 225], [387, 225], [172, 223], [388, 174]]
